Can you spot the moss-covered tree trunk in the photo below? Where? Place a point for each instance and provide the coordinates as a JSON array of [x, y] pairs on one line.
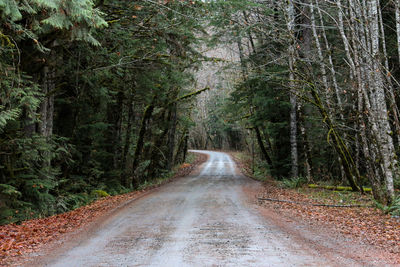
[[349, 167]]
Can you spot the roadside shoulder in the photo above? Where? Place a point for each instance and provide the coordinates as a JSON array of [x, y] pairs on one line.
[[19, 243]]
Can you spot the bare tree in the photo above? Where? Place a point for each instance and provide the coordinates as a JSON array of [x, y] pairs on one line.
[[290, 17]]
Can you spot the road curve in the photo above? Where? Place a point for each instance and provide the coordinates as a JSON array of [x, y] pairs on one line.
[[202, 220]]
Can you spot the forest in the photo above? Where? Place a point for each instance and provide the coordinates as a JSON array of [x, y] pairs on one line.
[[100, 97], [315, 95]]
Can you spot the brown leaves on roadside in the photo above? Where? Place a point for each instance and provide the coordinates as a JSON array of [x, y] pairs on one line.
[[17, 240], [369, 225], [30, 235]]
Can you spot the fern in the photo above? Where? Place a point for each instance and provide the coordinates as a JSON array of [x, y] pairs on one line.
[[294, 182], [58, 21], [27, 8], [76, 18], [9, 192], [10, 10], [393, 208], [8, 115], [52, 4]]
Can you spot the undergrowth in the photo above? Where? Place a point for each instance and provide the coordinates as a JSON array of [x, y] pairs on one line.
[[66, 194], [392, 209], [259, 170], [323, 192], [190, 158], [294, 182]]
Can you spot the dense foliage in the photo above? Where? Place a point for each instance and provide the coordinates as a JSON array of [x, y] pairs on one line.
[[96, 95], [94, 98], [316, 88]]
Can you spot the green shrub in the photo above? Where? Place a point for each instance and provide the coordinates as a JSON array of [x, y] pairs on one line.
[[393, 209], [294, 182], [397, 183]]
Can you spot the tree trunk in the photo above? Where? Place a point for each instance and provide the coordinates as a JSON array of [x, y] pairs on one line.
[[123, 163], [113, 137], [185, 148], [397, 11], [45, 126], [156, 151], [390, 89], [293, 97], [320, 55], [364, 106], [181, 146], [349, 167], [171, 138], [306, 147], [380, 109], [136, 181], [262, 147], [344, 37]]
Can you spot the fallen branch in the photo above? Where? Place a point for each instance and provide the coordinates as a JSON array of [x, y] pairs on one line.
[[316, 205]]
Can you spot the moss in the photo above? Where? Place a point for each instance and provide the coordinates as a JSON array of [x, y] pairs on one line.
[[99, 193], [343, 188], [337, 188]]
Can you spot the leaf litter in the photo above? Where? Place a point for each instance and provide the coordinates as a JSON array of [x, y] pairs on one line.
[[17, 241], [368, 225]]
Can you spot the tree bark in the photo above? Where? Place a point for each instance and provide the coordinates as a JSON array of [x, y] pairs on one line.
[[397, 12], [180, 148], [171, 138], [350, 170], [127, 143], [136, 181], [262, 147], [390, 89], [293, 97], [45, 126], [380, 109]]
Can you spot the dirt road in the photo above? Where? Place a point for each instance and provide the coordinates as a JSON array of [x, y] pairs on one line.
[[200, 220]]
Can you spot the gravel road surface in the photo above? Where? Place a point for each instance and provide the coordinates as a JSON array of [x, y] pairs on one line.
[[201, 220]]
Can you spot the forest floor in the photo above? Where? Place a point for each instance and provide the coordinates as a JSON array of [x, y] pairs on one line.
[[364, 225], [19, 240], [363, 236], [208, 218]]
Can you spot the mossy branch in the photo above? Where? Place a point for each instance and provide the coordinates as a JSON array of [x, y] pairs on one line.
[[189, 95], [5, 38]]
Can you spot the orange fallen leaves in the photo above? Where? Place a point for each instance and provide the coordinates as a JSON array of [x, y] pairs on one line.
[[16, 240], [367, 224]]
